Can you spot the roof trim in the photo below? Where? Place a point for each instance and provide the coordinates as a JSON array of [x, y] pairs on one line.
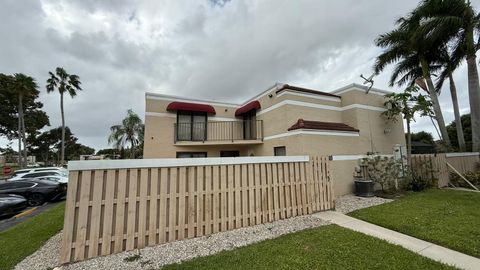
[[359, 87], [304, 90], [149, 95]]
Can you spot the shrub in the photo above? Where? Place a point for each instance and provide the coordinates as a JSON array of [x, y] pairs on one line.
[[384, 171], [473, 177], [421, 175]]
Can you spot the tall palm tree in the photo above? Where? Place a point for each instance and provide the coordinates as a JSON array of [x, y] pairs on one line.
[[24, 87], [458, 21], [450, 63], [64, 83], [413, 59], [130, 131]]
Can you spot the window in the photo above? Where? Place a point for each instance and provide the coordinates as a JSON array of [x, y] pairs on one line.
[[191, 126], [229, 153], [191, 154], [250, 125], [280, 151]]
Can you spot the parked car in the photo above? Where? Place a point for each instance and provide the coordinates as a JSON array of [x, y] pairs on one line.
[[41, 169], [42, 173], [36, 191], [11, 204], [56, 178]]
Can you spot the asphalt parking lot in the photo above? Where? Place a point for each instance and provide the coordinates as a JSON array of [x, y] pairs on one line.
[[10, 221]]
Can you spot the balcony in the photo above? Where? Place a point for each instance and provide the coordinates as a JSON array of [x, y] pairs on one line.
[[219, 133]]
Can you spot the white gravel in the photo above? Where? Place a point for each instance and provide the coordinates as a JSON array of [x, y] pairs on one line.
[[47, 256], [349, 203], [155, 257]]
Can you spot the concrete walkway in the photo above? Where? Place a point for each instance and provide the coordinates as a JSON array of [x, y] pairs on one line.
[[421, 247]]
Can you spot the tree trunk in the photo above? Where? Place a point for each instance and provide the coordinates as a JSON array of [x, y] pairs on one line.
[[132, 153], [62, 155], [473, 87], [20, 114], [436, 104], [458, 122], [474, 97], [409, 145], [24, 136]]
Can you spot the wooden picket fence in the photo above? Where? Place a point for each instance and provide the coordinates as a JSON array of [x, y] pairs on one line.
[[114, 206], [437, 165]]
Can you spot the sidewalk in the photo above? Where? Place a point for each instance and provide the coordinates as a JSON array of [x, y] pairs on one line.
[[421, 247]]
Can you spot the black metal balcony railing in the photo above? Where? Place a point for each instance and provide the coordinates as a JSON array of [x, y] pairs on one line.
[[219, 131]]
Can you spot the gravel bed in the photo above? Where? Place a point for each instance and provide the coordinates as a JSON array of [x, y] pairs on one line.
[[155, 257], [350, 203], [47, 256]]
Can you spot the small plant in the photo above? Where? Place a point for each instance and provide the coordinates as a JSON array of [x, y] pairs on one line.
[[473, 177], [421, 175], [384, 171], [133, 258]]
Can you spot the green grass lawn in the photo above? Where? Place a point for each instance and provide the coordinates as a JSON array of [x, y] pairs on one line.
[[446, 217], [23, 239], [327, 247]]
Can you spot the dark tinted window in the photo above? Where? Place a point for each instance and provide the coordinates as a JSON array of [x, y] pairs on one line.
[[191, 154], [280, 151]]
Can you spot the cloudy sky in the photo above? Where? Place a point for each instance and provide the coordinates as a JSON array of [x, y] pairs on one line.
[[218, 50]]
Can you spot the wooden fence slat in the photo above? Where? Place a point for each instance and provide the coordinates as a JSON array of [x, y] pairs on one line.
[[152, 221], [257, 193], [200, 201], [192, 192], [83, 221], [181, 202], [223, 195], [132, 209], [231, 196], [142, 215], [69, 222], [108, 212], [121, 205], [162, 205], [172, 210], [238, 194], [95, 215]]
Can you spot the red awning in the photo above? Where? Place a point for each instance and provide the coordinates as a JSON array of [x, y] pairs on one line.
[[194, 107], [252, 105]]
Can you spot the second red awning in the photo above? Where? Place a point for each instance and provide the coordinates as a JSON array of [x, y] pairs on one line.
[[252, 105]]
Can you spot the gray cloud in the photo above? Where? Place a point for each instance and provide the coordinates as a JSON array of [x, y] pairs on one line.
[[221, 50]]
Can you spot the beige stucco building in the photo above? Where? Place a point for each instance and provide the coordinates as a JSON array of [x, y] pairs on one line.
[[346, 124], [283, 120]]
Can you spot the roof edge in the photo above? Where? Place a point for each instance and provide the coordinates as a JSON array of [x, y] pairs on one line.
[[359, 87]]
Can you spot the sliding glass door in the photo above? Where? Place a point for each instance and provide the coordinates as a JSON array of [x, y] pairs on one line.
[[191, 126]]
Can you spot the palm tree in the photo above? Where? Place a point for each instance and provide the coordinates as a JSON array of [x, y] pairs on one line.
[[457, 21], [63, 82], [413, 60], [450, 63], [130, 131], [24, 87]]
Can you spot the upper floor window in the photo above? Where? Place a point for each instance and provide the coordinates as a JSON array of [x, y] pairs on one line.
[[191, 126]]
